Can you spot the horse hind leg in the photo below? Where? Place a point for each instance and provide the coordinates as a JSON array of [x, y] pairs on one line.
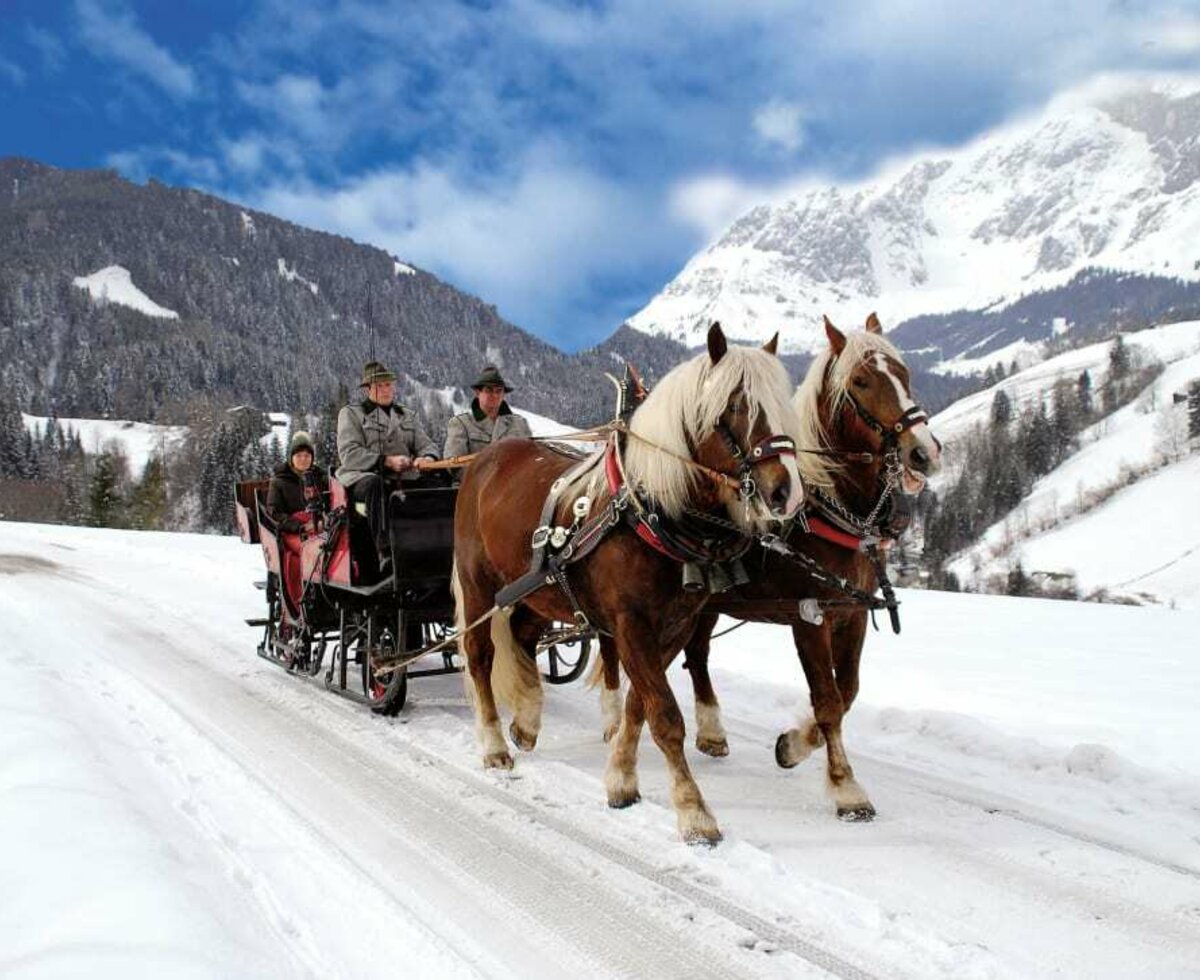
[[515, 675], [476, 648], [710, 732]]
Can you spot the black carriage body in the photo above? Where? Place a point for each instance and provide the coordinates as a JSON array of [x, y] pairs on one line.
[[356, 611]]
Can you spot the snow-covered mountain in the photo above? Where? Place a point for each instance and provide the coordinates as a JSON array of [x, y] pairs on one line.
[[1104, 177]]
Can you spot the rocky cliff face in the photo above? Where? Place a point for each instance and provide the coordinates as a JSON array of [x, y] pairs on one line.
[[1103, 181]]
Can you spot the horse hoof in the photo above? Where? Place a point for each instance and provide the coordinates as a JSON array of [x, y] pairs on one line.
[[782, 758], [716, 747], [498, 760], [521, 740], [703, 836], [860, 813], [621, 802]]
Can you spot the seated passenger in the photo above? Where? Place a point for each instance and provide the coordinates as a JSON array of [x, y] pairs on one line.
[[381, 445], [489, 420], [295, 500]]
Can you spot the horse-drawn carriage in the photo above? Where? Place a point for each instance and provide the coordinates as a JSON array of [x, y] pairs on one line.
[[366, 621], [637, 546]]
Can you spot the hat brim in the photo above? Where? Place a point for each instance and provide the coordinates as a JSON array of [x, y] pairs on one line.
[[377, 379], [488, 384]]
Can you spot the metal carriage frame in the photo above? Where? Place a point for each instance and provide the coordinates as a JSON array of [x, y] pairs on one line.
[[355, 620]]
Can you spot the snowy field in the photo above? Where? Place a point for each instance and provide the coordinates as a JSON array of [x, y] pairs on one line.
[[170, 805], [1143, 542]]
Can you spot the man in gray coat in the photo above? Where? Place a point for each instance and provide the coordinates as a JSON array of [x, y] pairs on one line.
[[489, 420], [379, 443]]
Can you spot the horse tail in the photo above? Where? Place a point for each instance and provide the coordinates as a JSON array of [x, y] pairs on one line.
[[460, 612], [460, 629], [515, 678], [595, 676]]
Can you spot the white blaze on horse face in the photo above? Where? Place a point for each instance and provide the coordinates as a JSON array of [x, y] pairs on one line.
[[921, 431], [795, 485]]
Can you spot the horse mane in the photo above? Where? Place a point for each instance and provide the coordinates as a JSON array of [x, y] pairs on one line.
[[683, 409], [835, 371]]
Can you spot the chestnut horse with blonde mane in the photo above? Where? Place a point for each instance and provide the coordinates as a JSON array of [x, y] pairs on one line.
[[705, 419], [856, 411]]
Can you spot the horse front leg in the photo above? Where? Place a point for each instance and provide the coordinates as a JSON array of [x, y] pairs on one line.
[[815, 648], [610, 687], [652, 695], [847, 654], [621, 777], [710, 733]]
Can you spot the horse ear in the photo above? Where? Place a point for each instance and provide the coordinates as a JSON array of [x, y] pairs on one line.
[[716, 342], [873, 324], [772, 345], [837, 339]]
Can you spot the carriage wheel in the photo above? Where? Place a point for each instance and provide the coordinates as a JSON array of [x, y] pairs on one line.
[[385, 695], [274, 617], [566, 661]]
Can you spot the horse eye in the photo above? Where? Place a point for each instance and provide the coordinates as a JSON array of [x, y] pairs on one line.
[[860, 383]]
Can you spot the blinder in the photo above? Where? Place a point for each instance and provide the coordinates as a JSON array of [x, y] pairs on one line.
[[768, 448]]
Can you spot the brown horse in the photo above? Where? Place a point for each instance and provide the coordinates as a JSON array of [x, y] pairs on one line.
[[855, 407], [714, 410]]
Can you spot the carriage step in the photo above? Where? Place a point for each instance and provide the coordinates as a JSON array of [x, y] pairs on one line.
[[261, 585], [257, 622]]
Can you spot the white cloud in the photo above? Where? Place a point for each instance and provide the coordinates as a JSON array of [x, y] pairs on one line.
[[529, 242], [140, 163], [112, 33], [1175, 36], [14, 72], [781, 124], [47, 44], [710, 204]]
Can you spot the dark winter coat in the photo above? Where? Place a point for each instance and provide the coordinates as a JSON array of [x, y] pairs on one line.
[[285, 496]]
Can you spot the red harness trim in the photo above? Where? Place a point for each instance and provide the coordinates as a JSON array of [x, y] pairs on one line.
[[613, 474], [832, 534]]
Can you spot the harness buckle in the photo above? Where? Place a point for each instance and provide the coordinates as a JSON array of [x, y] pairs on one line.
[[540, 536], [558, 537], [773, 542], [581, 620], [747, 488]]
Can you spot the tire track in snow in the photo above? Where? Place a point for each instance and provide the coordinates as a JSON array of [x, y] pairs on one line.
[[966, 795], [504, 864]]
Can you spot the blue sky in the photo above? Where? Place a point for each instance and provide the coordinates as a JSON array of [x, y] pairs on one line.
[[561, 160]]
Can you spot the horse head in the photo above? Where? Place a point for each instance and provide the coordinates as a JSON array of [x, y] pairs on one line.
[[728, 410], [866, 392]]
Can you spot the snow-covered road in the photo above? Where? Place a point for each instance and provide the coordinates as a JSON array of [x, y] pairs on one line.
[[171, 805]]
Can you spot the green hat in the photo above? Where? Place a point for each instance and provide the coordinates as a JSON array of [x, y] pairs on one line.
[[301, 440], [374, 373], [489, 376]]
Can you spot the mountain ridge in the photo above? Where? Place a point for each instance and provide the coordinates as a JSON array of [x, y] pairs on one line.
[[1104, 177]]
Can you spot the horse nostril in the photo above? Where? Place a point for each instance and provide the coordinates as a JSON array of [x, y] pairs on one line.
[[779, 499]]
